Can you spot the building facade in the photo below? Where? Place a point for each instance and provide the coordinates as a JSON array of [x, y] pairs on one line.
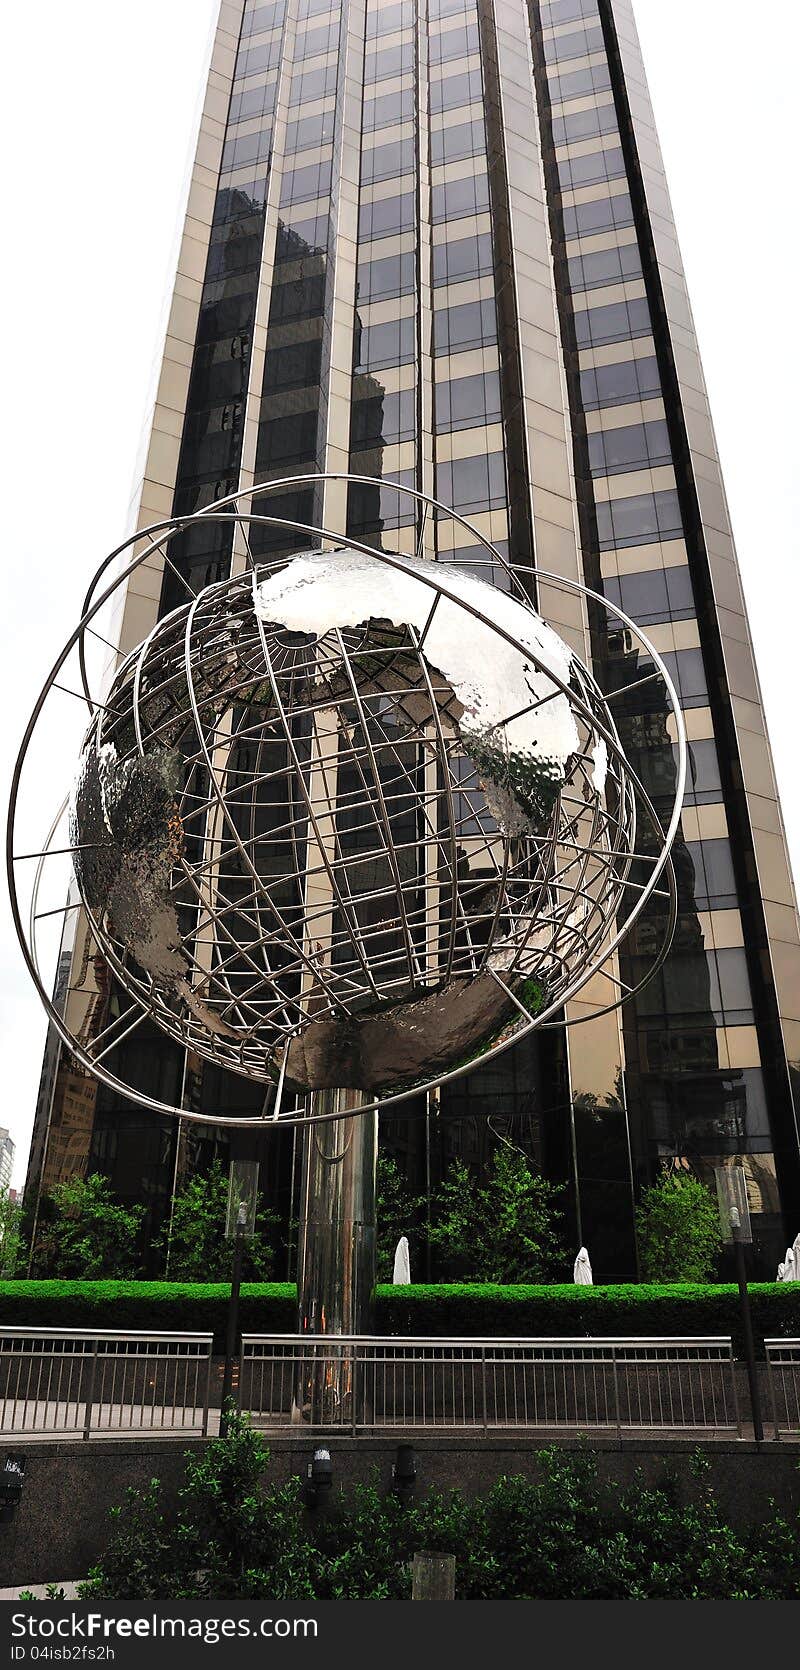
[[8, 1149], [429, 242]]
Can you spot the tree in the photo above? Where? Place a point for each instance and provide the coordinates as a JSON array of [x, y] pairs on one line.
[[506, 1229], [198, 1250], [677, 1224], [12, 1238], [85, 1233], [398, 1212]]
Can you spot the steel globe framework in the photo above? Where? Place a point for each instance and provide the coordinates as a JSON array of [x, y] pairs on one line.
[[350, 817]]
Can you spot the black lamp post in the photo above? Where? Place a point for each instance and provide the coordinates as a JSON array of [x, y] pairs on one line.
[[240, 1224], [734, 1214], [232, 1336]]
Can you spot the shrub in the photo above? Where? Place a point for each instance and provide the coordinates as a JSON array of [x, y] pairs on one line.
[[677, 1223], [84, 1232], [502, 1230], [563, 1535], [195, 1245], [460, 1310], [398, 1212]]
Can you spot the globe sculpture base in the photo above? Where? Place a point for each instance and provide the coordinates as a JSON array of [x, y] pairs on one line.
[[337, 1266]]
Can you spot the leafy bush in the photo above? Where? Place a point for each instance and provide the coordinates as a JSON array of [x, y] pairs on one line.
[[564, 1535], [84, 1232], [398, 1213], [461, 1310], [678, 1228], [503, 1229], [195, 1244]]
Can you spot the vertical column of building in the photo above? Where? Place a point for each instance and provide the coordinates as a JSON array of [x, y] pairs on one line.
[[771, 921], [694, 1074], [67, 1130], [383, 432]]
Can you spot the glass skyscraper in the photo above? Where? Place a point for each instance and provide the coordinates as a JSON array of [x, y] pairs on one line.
[[430, 243]]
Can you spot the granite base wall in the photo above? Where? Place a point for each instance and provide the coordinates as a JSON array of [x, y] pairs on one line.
[[62, 1525]]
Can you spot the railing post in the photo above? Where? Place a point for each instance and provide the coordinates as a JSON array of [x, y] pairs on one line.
[[483, 1383], [354, 1422], [736, 1410], [87, 1419], [615, 1374], [771, 1383], [207, 1394]]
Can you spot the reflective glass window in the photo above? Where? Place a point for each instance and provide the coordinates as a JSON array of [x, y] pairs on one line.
[[601, 215], [658, 594], [577, 44], [463, 258], [640, 519], [461, 197], [469, 326], [468, 401], [392, 343], [383, 419], [472, 484], [383, 162], [386, 61], [686, 669], [454, 90], [714, 879], [615, 385], [394, 276], [310, 130], [604, 266], [572, 85], [567, 11], [387, 110], [458, 140], [386, 217], [633, 447], [584, 124], [302, 184], [591, 168], [612, 322]]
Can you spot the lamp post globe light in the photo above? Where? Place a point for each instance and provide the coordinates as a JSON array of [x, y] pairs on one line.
[[346, 823]]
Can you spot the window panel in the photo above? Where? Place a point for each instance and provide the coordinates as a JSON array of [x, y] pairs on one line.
[[472, 484], [394, 276], [603, 214], [471, 325], [636, 446], [639, 520], [464, 258], [392, 343], [461, 197], [468, 401], [387, 217], [613, 322], [615, 385], [604, 266]]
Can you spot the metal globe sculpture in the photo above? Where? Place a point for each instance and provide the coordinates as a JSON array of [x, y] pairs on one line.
[[355, 819]]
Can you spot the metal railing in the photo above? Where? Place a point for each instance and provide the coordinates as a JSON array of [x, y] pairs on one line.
[[97, 1381], [365, 1384], [783, 1380]]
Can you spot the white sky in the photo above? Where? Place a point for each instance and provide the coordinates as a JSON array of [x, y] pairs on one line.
[[98, 111]]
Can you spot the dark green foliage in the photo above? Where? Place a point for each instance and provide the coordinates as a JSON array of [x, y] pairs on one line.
[[678, 1229], [13, 1246], [566, 1534], [504, 1228], [84, 1232], [398, 1212], [461, 1310], [198, 1250]]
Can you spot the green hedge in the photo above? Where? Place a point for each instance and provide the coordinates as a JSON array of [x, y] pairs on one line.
[[269, 1307]]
